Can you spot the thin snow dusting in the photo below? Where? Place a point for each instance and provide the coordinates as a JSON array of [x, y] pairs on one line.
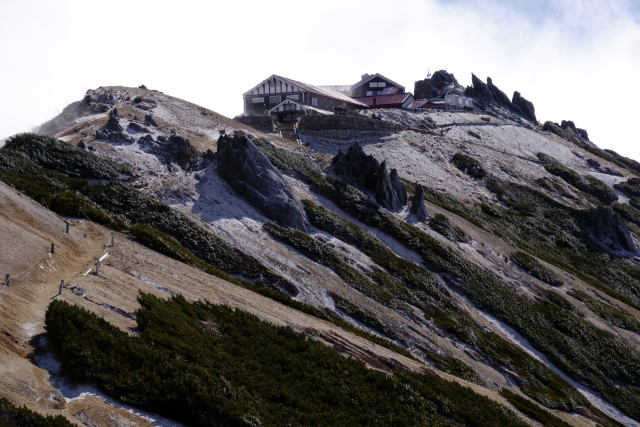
[[517, 339], [389, 241]]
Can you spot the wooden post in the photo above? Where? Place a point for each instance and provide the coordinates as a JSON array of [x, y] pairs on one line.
[[53, 248], [97, 267], [113, 240], [6, 280], [61, 286], [66, 227]]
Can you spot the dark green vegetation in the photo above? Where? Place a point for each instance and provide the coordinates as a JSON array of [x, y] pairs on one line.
[[607, 311], [383, 292], [535, 268], [415, 277], [532, 411], [120, 207], [453, 366], [538, 382], [449, 203], [584, 183], [368, 319], [61, 157], [630, 187], [535, 379], [532, 221], [24, 163], [441, 224], [554, 187], [622, 161], [206, 364], [469, 165], [137, 208], [552, 232], [13, 416], [630, 215]]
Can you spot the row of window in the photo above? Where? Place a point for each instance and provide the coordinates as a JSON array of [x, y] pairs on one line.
[[377, 84], [273, 99]]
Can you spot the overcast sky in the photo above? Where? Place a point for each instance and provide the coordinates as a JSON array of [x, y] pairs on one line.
[[575, 59]]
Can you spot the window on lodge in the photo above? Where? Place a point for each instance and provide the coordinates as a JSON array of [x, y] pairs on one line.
[[274, 99], [378, 84], [257, 100], [314, 101], [295, 97], [289, 107]]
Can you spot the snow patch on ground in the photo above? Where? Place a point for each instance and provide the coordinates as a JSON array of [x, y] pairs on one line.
[[45, 358]]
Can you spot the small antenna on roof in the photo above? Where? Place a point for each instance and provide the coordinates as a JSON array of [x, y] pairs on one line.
[[428, 73]]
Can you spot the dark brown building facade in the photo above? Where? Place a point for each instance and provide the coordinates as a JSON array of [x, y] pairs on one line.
[[266, 97], [375, 84]]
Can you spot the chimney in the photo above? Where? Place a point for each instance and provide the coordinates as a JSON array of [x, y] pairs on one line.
[[365, 76]]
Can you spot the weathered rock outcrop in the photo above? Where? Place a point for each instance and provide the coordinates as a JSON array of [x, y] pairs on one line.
[[389, 190], [499, 96], [480, 92], [136, 127], [568, 130], [575, 133], [417, 208], [441, 83], [488, 95], [176, 149], [604, 231], [149, 120], [525, 106], [249, 172], [112, 131], [365, 172]]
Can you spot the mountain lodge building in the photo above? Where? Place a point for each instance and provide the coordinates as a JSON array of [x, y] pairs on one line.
[[285, 99]]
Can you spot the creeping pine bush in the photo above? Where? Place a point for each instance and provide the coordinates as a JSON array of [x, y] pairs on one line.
[[205, 364], [14, 416], [443, 225], [532, 266], [631, 187], [469, 165], [540, 225], [608, 312], [584, 183]]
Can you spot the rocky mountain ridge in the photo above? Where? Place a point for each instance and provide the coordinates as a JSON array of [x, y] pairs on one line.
[[480, 245]]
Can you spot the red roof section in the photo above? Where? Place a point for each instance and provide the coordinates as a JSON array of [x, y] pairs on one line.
[[391, 100]]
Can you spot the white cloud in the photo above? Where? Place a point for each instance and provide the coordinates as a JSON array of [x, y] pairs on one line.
[[575, 59]]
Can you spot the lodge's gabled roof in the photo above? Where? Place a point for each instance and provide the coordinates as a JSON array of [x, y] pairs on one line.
[[371, 77], [308, 88]]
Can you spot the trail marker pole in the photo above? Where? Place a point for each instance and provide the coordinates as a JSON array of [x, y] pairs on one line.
[[60, 289], [6, 280], [66, 227], [53, 248], [113, 240], [97, 267]]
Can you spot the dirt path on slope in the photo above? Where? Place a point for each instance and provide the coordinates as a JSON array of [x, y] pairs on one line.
[[26, 232]]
